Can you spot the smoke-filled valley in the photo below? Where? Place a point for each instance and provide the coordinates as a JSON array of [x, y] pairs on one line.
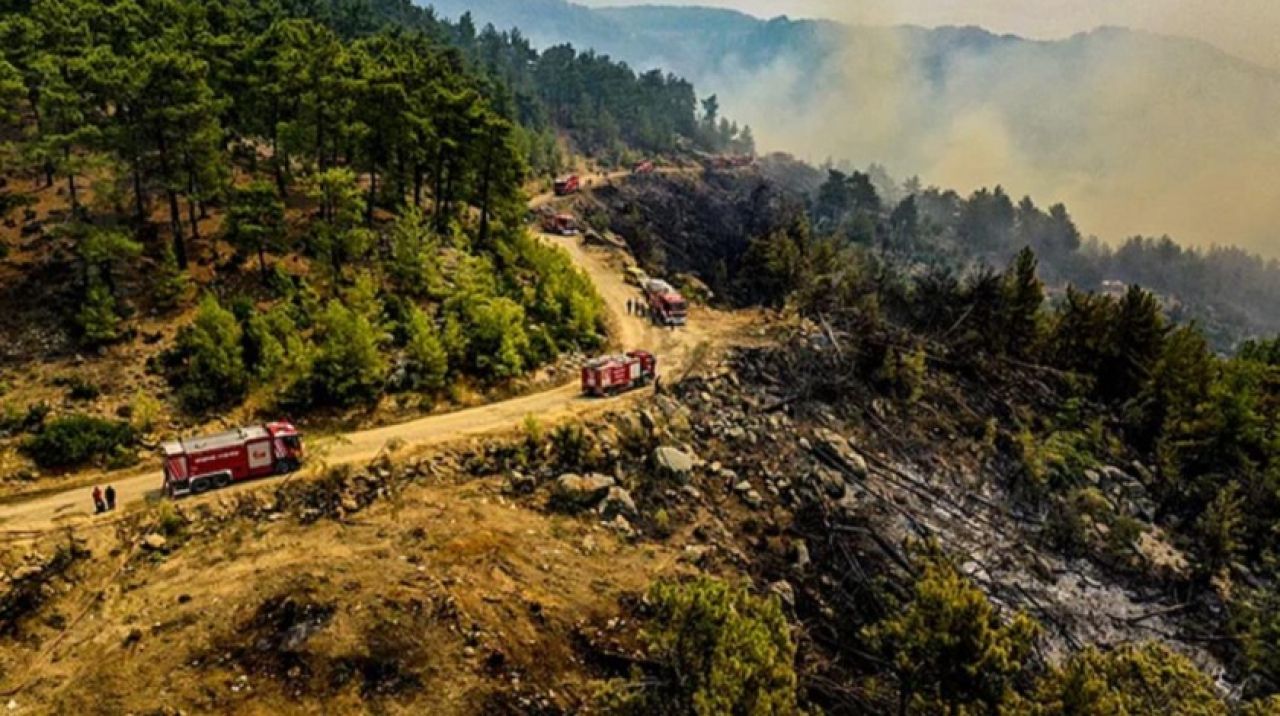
[[1136, 133]]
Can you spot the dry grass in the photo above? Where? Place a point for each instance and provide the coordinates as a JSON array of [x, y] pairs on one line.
[[430, 604]]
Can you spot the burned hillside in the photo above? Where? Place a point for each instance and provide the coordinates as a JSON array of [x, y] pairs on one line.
[[699, 225], [516, 575]]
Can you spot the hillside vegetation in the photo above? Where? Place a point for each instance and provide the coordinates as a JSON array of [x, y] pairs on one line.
[[261, 208]]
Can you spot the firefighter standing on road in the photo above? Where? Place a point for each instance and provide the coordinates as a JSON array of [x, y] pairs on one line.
[[111, 498], [98, 506]]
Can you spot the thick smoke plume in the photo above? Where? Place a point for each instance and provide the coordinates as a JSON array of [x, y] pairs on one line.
[[1136, 133]]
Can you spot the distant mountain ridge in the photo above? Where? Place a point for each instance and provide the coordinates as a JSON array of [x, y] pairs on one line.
[[1137, 133]]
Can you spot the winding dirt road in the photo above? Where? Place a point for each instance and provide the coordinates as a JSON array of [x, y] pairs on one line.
[[23, 517]]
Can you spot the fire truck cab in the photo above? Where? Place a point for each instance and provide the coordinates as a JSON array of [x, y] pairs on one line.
[[669, 307], [195, 465], [567, 185], [560, 224]]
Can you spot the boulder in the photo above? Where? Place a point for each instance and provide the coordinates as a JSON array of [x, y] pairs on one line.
[[832, 483], [835, 449], [154, 542], [573, 491], [617, 501], [675, 463], [519, 483], [800, 552]]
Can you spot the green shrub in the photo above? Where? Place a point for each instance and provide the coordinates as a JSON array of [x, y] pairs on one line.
[[349, 366], [1056, 460], [77, 439], [97, 318], [949, 647], [534, 436], [169, 283], [903, 373], [425, 350], [208, 362], [80, 389], [1146, 679], [570, 444], [722, 651], [144, 410]]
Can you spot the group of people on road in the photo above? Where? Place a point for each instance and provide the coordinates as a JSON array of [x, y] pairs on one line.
[[636, 307], [104, 500]]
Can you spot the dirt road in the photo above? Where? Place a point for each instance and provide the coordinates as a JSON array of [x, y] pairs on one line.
[[673, 348]]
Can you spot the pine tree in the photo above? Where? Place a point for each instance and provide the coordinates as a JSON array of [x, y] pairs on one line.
[[209, 353], [948, 647], [1023, 297], [429, 358], [255, 221], [349, 365]]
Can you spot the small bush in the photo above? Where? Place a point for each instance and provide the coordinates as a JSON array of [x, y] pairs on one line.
[[77, 439], [144, 410], [79, 389], [903, 373], [722, 650], [1133, 679]]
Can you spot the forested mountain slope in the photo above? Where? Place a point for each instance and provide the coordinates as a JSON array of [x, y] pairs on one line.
[[236, 208], [1137, 135]]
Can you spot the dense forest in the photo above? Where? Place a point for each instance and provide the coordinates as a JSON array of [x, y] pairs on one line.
[[1228, 291], [335, 188]]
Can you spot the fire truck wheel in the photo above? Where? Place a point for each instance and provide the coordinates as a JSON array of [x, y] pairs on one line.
[[285, 466], [199, 485], [221, 480]]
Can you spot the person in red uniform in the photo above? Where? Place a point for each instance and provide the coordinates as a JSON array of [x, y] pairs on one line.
[[98, 505]]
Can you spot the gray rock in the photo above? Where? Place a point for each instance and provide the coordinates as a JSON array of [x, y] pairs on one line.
[[832, 483], [154, 541], [801, 555], [835, 449], [753, 499], [623, 527], [617, 501], [519, 483], [573, 491], [784, 591], [676, 463], [742, 486]]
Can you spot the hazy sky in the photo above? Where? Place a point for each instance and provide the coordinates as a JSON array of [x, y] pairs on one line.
[[1246, 28]]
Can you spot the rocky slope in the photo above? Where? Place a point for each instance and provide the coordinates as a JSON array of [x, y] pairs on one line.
[[507, 576]]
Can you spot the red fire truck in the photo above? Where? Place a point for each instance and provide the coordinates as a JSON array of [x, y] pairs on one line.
[[562, 224], [611, 375], [668, 306], [567, 185], [644, 167], [195, 465]]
